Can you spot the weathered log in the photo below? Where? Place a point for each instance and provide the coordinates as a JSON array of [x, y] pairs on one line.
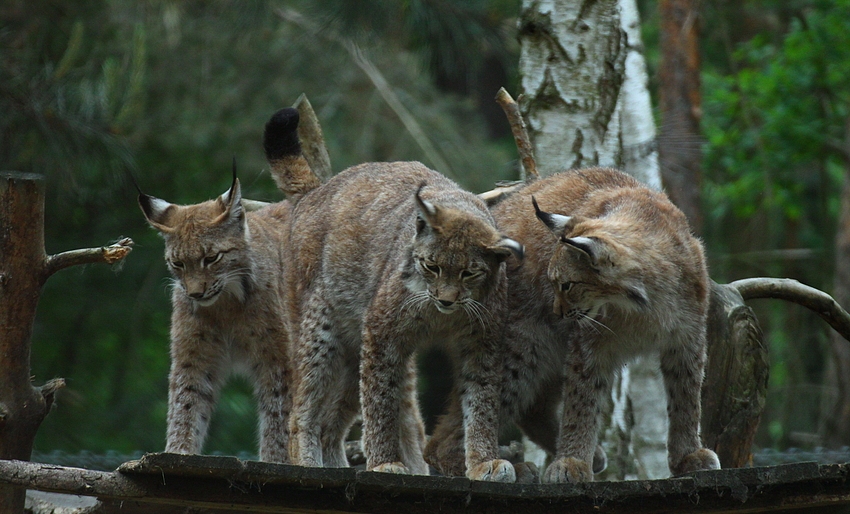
[[735, 385], [24, 267]]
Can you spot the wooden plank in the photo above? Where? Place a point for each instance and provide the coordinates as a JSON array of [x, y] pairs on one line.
[[225, 484]]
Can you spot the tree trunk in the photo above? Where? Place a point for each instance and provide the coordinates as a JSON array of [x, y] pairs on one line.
[[586, 103], [679, 98], [22, 258], [572, 66], [24, 267]]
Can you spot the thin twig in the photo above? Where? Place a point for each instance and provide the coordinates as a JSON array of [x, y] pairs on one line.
[[105, 254], [381, 85], [790, 290], [523, 143]]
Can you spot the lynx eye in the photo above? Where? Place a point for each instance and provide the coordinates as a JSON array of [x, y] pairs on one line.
[[430, 266], [566, 286], [212, 259], [469, 275], [177, 264]]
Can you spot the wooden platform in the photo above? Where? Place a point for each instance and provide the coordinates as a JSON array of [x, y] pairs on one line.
[[168, 483]]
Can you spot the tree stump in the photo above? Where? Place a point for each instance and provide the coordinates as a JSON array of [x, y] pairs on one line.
[[735, 386], [24, 267]]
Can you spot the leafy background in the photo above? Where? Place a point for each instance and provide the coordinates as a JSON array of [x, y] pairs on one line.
[[93, 90]]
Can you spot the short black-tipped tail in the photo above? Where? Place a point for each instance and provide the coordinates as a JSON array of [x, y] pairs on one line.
[[291, 171], [281, 135]]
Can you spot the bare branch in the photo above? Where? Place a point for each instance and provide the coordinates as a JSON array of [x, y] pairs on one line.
[[48, 477], [790, 290], [381, 85], [48, 391], [253, 205], [523, 143], [494, 196], [105, 254]]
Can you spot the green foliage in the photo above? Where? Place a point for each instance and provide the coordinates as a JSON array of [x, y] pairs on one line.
[[773, 127], [91, 91]]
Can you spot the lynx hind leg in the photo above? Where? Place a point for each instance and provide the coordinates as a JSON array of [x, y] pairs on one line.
[[445, 450], [316, 360], [412, 444], [339, 415], [274, 400], [682, 368], [194, 383]]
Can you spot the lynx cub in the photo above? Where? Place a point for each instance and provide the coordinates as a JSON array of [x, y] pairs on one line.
[[227, 309], [387, 257], [612, 272]]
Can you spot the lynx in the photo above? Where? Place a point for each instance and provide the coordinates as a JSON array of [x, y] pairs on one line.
[[227, 306], [613, 272], [386, 258]]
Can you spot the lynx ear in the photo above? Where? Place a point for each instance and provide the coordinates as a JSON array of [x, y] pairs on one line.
[[156, 211], [427, 212], [637, 294], [557, 223], [589, 246], [231, 201], [507, 247]]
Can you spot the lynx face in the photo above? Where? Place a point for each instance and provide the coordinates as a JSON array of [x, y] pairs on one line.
[[205, 245], [591, 271], [450, 273]]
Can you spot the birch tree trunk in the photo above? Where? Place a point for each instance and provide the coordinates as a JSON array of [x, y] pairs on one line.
[[585, 102]]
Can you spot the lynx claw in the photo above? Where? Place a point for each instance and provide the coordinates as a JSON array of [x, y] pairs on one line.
[[391, 467], [699, 460], [497, 470], [568, 470]]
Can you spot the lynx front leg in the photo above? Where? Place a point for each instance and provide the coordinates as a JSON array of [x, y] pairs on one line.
[[382, 376], [583, 389], [480, 400], [682, 368], [194, 383], [274, 399]]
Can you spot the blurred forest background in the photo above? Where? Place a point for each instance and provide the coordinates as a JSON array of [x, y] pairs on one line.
[[170, 91]]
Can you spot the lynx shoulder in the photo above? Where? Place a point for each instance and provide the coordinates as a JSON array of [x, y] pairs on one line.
[[612, 271], [227, 303], [388, 257]]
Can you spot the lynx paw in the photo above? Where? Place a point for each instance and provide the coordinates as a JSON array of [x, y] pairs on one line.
[[527, 473], [696, 461], [497, 470], [568, 470], [392, 467]]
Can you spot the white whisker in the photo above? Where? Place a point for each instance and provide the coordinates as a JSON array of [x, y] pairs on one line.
[[416, 300], [587, 320]]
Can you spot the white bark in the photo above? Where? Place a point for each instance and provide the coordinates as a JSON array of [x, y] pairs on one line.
[[585, 102], [572, 65]]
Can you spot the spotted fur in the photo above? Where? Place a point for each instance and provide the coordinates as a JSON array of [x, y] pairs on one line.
[[611, 272]]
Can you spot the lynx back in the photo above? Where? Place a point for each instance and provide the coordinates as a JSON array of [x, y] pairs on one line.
[[389, 257]]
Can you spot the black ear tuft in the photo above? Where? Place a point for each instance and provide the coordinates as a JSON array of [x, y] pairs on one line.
[[280, 138], [557, 223]]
